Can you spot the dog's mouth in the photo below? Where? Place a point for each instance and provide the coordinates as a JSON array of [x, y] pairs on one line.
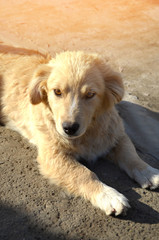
[[70, 137]]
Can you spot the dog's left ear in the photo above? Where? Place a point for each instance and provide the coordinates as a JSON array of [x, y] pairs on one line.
[[114, 88], [38, 86]]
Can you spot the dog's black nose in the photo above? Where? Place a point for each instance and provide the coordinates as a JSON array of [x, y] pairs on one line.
[[70, 128]]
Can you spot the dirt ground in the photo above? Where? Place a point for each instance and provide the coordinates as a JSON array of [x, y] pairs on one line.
[[127, 34]]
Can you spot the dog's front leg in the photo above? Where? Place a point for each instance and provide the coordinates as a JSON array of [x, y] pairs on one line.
[[66, 172], [124, 154]]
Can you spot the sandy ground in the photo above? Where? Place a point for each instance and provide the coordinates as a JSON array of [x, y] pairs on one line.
[[127, 34]]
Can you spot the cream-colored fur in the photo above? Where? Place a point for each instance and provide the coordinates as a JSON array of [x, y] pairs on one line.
[[65, 106]]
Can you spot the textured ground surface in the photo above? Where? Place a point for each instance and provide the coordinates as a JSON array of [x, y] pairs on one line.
[[126, 32]]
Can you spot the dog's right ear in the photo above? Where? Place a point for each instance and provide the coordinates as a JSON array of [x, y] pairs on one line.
[[38, 86], [114, 88]]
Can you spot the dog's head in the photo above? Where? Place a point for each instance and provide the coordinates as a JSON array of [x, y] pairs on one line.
[[77, 88]]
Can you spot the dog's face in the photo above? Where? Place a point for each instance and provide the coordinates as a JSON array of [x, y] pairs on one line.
[[77, 87]]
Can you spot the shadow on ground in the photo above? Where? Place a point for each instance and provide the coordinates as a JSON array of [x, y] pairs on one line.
[[16, 224]]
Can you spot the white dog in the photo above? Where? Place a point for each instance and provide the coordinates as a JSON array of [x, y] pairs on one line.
[[65, 106]]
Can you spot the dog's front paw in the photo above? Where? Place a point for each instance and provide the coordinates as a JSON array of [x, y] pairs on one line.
[[147, 178], [111, 201]]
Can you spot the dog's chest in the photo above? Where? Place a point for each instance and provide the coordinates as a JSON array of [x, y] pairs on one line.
[[91, 151]]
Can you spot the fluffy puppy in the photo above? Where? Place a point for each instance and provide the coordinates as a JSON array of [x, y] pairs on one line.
[[65, 106]]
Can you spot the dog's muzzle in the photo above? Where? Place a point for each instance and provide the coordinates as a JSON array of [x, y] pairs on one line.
[[70, 128]]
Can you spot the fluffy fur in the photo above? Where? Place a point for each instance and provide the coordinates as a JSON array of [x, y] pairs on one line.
[[65, 106]]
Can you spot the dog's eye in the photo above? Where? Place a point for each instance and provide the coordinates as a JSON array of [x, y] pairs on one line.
[[90, 94], [57, 92]]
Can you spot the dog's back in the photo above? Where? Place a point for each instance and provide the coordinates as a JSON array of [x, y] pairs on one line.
[[16, 71]]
